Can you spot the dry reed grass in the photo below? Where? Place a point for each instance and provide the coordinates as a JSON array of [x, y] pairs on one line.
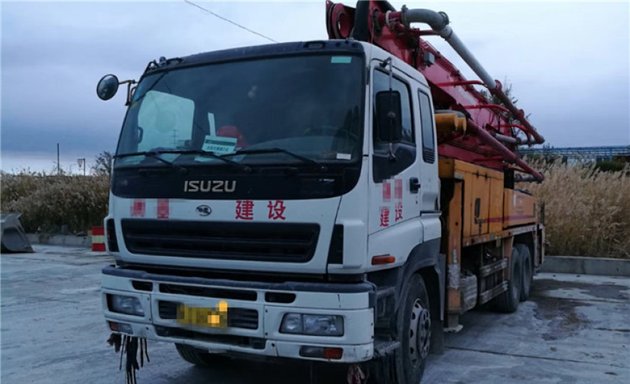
[[48, 203], [587, 211]]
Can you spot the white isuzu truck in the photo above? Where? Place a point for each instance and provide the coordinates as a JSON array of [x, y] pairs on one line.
[[334, 201]]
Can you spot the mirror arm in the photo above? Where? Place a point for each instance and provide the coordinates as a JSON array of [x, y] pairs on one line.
[[129, 89], [390, 71]]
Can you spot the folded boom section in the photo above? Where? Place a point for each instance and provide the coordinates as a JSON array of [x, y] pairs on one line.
[[496, 126]]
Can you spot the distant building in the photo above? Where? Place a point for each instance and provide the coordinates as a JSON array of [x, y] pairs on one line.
[[581, 154]]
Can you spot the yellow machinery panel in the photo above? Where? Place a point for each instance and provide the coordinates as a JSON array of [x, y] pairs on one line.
[[519, 209], [482, 196], [476, 204], [496, 206], [480, 212]]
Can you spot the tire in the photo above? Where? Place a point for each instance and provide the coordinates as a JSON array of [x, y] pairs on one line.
[[508, 301], [527, 268], [198, 357], [413, 330]]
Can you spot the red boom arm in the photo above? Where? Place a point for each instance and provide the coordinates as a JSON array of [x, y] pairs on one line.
[[495, 127]]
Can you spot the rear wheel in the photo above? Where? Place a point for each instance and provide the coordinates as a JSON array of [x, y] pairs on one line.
[[413, 327], [198, 357], [508, 301], [527, 277]]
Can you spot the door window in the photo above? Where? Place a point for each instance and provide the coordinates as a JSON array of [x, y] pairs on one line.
[[404, 153], [426, 122]]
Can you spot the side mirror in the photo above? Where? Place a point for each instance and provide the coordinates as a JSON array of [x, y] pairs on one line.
[[388, 116], [107, 87]]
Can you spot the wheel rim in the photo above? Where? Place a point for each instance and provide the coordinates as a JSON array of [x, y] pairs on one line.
[[419, 332]]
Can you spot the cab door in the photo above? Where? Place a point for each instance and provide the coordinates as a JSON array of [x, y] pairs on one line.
[[395, 190], [428, 165]]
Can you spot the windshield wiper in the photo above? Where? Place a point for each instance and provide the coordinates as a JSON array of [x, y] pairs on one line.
[[212, 155], [154, 155], [303, 159]]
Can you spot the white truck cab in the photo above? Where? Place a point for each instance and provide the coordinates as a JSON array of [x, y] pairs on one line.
[[261, 204]]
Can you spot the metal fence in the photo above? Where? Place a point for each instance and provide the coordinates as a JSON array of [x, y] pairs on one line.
[[581, 153]]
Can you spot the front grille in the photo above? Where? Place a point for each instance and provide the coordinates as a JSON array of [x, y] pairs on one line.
[[237, 317], [287, 242], [217, 293]]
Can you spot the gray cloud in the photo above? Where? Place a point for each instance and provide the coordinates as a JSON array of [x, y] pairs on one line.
[[568, 62], [54, 53]]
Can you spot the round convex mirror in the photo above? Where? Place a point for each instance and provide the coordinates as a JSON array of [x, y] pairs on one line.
[[107, 87]]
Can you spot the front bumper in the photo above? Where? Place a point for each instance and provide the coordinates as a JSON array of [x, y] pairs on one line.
[[257, 309]]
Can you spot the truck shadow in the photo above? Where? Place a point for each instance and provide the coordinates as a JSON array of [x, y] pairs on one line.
[[250, 372]]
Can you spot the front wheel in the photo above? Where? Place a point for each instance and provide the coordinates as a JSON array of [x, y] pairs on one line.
[[413, 328]]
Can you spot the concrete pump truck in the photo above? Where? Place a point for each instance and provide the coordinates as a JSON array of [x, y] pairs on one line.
[[342, 200]]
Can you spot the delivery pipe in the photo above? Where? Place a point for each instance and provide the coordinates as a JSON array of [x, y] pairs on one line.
[[512, 140], [507, 139], [438, 21], [508, 155]]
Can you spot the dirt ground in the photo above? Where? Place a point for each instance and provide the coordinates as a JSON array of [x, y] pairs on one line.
[[574, 329]]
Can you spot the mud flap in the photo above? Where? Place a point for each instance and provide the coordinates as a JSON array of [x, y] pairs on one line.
[[130, 346], [14, 238], [356, 375]]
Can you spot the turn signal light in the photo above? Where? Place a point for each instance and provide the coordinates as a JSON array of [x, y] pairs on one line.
[[328, 353], [120, 327], [333, 353], [383, 259]]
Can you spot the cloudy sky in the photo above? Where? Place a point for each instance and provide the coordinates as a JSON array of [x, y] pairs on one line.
[[568, 63]]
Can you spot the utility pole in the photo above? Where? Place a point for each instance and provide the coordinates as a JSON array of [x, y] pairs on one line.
[[58, 166], [81, 162]]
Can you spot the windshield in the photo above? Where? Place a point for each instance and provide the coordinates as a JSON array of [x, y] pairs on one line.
[[297, 110]]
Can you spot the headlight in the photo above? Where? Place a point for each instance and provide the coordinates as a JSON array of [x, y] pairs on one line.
[[316, 325], [292, 323], [128, 305]]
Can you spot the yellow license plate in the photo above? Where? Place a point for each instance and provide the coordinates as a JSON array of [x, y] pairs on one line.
[[203, 317]]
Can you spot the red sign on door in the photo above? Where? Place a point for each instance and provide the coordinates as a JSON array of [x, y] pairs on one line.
[[398, 186], [398, 211], [387, 191], [384, 217]]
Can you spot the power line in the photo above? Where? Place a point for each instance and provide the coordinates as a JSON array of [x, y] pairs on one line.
[[229, 21]]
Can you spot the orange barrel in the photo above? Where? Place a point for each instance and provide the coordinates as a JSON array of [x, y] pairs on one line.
[[98, 239]]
